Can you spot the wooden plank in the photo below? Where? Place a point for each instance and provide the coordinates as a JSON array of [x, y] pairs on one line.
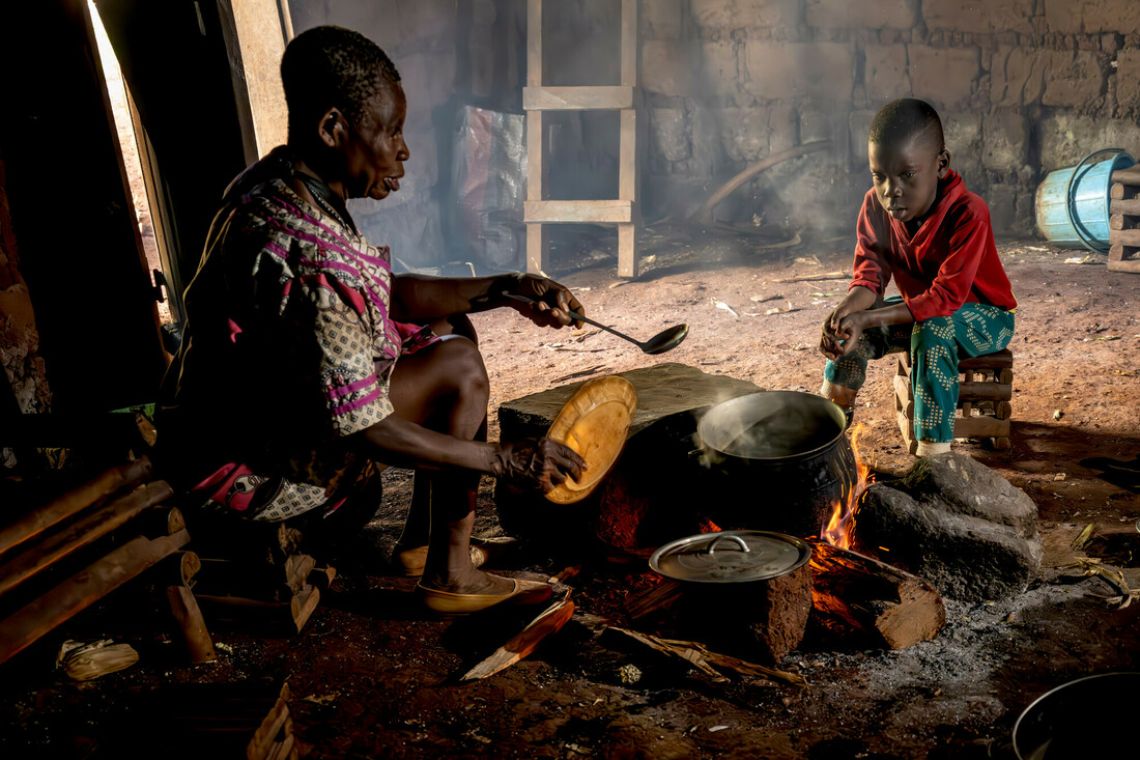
[[1127, 238], [535, 248], [81, 533], [1130, 206], [980, 427], [1003, 411], [37, 521], [83, 589], [572, 212], [627, 156], [627, 250], [997, 360], [549, 621], [906, 428], [1130, 176], [629, 43], [585, 98], [1125, 265], [1118, 252], [534, 43], [984, 392], [902, 395]]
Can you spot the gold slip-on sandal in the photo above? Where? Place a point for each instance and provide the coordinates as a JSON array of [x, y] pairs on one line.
[[410, 562], [450, 603]]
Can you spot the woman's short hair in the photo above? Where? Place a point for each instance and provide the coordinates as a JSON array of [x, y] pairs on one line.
[[330, 66]]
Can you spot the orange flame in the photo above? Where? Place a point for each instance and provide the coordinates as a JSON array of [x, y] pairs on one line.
[[710, 527], [840, 530]]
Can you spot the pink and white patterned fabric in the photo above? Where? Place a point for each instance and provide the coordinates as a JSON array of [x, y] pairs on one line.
[[289, 349]]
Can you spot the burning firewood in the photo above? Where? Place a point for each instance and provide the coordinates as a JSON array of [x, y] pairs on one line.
[[857, 596], [549, 621]]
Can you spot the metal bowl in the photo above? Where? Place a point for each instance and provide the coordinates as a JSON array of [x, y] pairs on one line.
[[1090, 717]]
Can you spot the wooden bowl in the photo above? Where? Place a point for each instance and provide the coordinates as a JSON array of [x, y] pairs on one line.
[[594, 423]]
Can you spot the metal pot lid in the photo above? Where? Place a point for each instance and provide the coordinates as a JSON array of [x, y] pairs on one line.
[[737, 556]]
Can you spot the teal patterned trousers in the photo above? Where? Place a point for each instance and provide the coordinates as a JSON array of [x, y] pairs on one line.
[[935, 346]]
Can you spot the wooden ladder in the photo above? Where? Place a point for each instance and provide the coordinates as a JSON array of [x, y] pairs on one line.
[[537, 99]]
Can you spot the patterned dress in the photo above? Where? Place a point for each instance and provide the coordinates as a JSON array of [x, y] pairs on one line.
[[288, 351]]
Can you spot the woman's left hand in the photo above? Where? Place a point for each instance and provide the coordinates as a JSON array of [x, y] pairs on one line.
[[553, 301], [850, 330]]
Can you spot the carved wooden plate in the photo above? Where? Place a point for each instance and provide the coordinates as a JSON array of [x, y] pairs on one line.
[[595, 423]]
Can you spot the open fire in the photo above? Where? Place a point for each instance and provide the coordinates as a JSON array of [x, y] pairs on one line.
[[840, 529]]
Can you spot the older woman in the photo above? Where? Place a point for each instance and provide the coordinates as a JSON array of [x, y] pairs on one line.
[[306, 361]]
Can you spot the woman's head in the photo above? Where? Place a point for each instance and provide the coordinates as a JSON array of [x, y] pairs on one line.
[[346, 109]]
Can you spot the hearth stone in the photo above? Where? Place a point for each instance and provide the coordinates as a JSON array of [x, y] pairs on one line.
[[956, 523]]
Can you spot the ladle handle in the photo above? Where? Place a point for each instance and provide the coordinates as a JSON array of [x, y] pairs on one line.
[[576, 316], [728, 537]]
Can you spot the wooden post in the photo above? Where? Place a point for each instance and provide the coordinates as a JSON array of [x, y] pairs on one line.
[[627, 150], [536, 242]]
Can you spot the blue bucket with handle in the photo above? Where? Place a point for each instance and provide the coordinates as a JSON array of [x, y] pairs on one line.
[[1073, 203]]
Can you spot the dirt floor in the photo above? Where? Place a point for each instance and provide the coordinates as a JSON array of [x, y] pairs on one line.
[[372, 676]]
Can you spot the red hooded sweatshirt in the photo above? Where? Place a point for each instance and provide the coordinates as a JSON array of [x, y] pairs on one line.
[[950, 261]]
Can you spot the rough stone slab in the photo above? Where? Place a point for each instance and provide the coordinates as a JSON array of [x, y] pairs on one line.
[[663, 390], [1074, 79], [784, 70], [736, 14], [938, 529], [1073, 16], [1006, 137], [961, 485]]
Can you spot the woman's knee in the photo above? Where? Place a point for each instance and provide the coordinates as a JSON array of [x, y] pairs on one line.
[[466, 370]]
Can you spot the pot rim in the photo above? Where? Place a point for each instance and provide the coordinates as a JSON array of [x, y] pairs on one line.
[[1060, 687], [839, 415]]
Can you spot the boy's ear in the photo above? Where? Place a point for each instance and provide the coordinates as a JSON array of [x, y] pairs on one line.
[[943, 163], [331, 127]]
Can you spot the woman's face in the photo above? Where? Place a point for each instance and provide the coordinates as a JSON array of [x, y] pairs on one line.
[[375, 152]]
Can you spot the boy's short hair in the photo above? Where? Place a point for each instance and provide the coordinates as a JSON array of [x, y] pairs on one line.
[[330, 66], [904, 119]]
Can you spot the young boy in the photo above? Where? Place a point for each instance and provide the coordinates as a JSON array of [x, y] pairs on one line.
[[922, 226]]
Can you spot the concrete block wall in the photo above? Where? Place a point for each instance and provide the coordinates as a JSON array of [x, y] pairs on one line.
[[1023, 87]]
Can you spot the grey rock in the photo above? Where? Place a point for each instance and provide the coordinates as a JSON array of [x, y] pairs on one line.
[[959, 525]]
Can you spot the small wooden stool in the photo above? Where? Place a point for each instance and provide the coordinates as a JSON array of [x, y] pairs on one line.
[[984, 391]]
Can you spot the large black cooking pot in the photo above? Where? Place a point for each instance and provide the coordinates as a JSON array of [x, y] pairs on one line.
[[777, 460]]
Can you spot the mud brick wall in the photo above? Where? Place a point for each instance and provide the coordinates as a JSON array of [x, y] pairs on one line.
[[1023, 87]]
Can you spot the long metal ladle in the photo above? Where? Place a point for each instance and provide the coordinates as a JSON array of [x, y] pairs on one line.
[[666, 340]]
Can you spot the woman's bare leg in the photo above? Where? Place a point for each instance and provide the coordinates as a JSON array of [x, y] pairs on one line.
[[445, 387]]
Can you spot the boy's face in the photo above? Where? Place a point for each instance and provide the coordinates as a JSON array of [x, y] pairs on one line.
[[906, 176], [375, 154]]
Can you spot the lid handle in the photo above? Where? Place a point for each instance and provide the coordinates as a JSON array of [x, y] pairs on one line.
[[731, 537]]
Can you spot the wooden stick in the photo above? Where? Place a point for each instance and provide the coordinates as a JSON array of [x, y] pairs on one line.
[[270, 729], [83, 589], [76, 500], [526, 641], [188, 616], [858, 596], [81, 533], [653, 599], [816, 277]]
